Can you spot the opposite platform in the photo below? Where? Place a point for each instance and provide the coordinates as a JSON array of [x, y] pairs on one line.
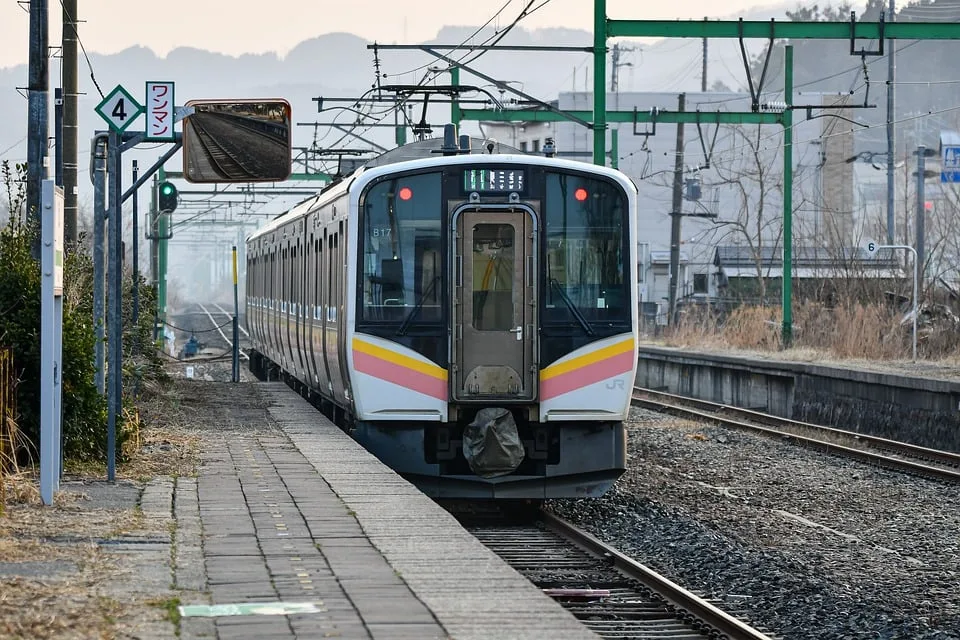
[[294, 512]]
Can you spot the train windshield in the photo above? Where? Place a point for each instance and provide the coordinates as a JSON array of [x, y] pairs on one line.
[[400, 247], [586, 252]]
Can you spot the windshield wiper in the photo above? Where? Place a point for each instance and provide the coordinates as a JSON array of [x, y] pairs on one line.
[[555, 284], [402, 331]]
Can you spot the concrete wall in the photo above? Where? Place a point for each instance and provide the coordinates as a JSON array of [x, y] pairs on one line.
[[918, 410]]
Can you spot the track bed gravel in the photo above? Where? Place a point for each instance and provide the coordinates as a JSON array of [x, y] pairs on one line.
[[812, 546]]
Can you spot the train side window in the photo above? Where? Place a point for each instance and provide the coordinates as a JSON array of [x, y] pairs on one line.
[[330, 267], [319, 282]]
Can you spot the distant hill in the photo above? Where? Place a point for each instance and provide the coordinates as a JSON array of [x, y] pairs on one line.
[[340, 65]]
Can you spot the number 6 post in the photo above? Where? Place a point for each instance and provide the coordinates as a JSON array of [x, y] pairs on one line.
[[873, 248]]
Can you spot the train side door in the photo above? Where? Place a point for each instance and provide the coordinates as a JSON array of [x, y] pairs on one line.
[[495, 326]]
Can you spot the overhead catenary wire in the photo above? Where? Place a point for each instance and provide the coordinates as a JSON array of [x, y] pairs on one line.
[[465, 41], [528, 9], [788, 130]]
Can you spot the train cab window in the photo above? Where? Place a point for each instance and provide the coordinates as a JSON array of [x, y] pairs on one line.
[[400, 241], [586, 251]]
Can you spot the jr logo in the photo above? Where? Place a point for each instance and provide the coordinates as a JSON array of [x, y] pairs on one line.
[[615, 384]]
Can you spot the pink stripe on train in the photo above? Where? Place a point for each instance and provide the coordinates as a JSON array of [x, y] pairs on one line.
[[590, 374], [400, 375]]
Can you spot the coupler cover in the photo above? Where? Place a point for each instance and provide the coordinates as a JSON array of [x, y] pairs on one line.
[[491, 443]]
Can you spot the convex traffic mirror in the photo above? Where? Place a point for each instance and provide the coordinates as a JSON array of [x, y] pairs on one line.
[[237, 141]]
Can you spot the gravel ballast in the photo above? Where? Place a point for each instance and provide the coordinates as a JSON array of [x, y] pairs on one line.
[[810, 546]]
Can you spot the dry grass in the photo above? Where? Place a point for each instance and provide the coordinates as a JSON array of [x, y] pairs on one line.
[[165, 443], [848, 331], [67, 603], [73, 601], [61, 609]]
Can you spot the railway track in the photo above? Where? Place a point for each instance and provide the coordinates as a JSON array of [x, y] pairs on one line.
[[220, 326], [230, 315], [611, 594], [226, 163], [889, 454], [211, 325]]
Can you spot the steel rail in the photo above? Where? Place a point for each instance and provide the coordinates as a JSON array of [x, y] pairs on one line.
[[775, 425], [220, 330], [230, 315], [670, 591]]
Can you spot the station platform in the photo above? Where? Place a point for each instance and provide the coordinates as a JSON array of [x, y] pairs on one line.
[[292, 530]]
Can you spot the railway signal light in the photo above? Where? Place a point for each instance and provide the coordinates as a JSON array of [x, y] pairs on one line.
[[167, 197]]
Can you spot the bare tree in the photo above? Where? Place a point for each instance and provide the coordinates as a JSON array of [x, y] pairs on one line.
[[756, 180]]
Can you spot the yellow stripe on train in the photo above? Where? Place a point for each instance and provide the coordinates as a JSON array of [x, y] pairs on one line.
[[429, 369], [588, 358]]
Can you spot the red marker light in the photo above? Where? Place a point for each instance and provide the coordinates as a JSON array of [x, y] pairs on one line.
[[406, 193], [580, 194]]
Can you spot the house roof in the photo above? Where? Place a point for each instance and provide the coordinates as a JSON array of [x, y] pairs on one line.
[[663, 257]]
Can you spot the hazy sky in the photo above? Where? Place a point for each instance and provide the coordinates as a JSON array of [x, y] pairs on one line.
[[239, 26]]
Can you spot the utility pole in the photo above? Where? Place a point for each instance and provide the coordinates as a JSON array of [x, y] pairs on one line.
[[99, 266], [58, 137], [891, 116], [703, 72], [69, 133], [615, 65], [37, 118], [675, 216], [615, 90], [921, 206]]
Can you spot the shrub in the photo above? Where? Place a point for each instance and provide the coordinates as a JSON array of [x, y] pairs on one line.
[[84, 409]]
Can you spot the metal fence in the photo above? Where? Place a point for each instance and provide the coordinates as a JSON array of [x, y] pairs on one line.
[[8, 420]]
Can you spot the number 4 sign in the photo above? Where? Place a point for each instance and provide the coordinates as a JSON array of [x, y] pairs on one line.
[[160, 111], [119, 109]]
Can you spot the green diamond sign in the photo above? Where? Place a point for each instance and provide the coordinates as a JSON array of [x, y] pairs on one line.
[[119, 109]]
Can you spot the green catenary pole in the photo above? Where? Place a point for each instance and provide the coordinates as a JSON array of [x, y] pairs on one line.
[[789, 30], [787, 329], [162, 232], [614, 149], [662, 116], [454, 103], [599, 82]]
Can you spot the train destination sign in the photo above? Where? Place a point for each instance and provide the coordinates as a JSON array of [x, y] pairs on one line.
[[494, 180]]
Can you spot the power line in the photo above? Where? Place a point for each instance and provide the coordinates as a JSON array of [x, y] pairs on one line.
[[430, 75], [468, 39], [73, 23], [789, 131], [11, 147]]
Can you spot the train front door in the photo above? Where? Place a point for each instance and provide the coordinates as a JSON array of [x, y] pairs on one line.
[[495, 331]]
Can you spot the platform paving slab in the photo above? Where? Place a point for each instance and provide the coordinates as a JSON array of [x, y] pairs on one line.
[[470, 590], [286, 508]]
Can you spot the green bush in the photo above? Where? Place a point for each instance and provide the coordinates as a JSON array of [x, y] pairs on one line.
[[84, 409]]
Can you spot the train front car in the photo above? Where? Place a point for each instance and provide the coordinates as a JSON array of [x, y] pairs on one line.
[[493, 344]]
